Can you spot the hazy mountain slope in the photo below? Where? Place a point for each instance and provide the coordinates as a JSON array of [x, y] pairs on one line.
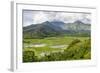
[[56, 28]]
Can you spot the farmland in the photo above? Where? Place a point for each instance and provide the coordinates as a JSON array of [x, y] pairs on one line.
[[49, 45]]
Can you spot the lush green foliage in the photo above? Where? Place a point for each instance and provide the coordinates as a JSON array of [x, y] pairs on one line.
[[29, 56], [77, 49], [81, 50]]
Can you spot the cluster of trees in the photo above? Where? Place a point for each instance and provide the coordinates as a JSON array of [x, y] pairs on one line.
[[42, 34], [28, 56], [75, 51]]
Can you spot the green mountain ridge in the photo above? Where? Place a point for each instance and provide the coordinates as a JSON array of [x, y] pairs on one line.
[[58, 28]]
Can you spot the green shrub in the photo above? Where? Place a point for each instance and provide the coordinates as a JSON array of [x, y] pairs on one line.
[[75, 41], [87, 55], [28, 56], [80, 50]]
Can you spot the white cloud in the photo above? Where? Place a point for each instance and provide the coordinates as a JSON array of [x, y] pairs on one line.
[[39, 17], [35, 17], [27, 17]]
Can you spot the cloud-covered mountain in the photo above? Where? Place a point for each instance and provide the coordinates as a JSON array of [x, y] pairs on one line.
[[56, 28], [37, 17]]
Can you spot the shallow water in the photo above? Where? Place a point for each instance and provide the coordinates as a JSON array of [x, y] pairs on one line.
[[59, 46], [43, 45], [34, 45]]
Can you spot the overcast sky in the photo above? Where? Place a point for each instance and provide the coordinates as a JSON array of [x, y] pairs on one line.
[[36, 17]]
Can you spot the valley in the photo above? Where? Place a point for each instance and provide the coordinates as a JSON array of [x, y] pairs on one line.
[[56, 41]]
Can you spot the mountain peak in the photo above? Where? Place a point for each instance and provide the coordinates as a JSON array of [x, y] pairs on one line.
[[79, 22], [46, 22]]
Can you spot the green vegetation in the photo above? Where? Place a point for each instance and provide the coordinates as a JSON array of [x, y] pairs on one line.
[[80, 50], [76, 48], [28, 56], [56, 41]]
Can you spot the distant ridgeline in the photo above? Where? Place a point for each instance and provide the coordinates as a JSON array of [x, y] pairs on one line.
[[57, 28]]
